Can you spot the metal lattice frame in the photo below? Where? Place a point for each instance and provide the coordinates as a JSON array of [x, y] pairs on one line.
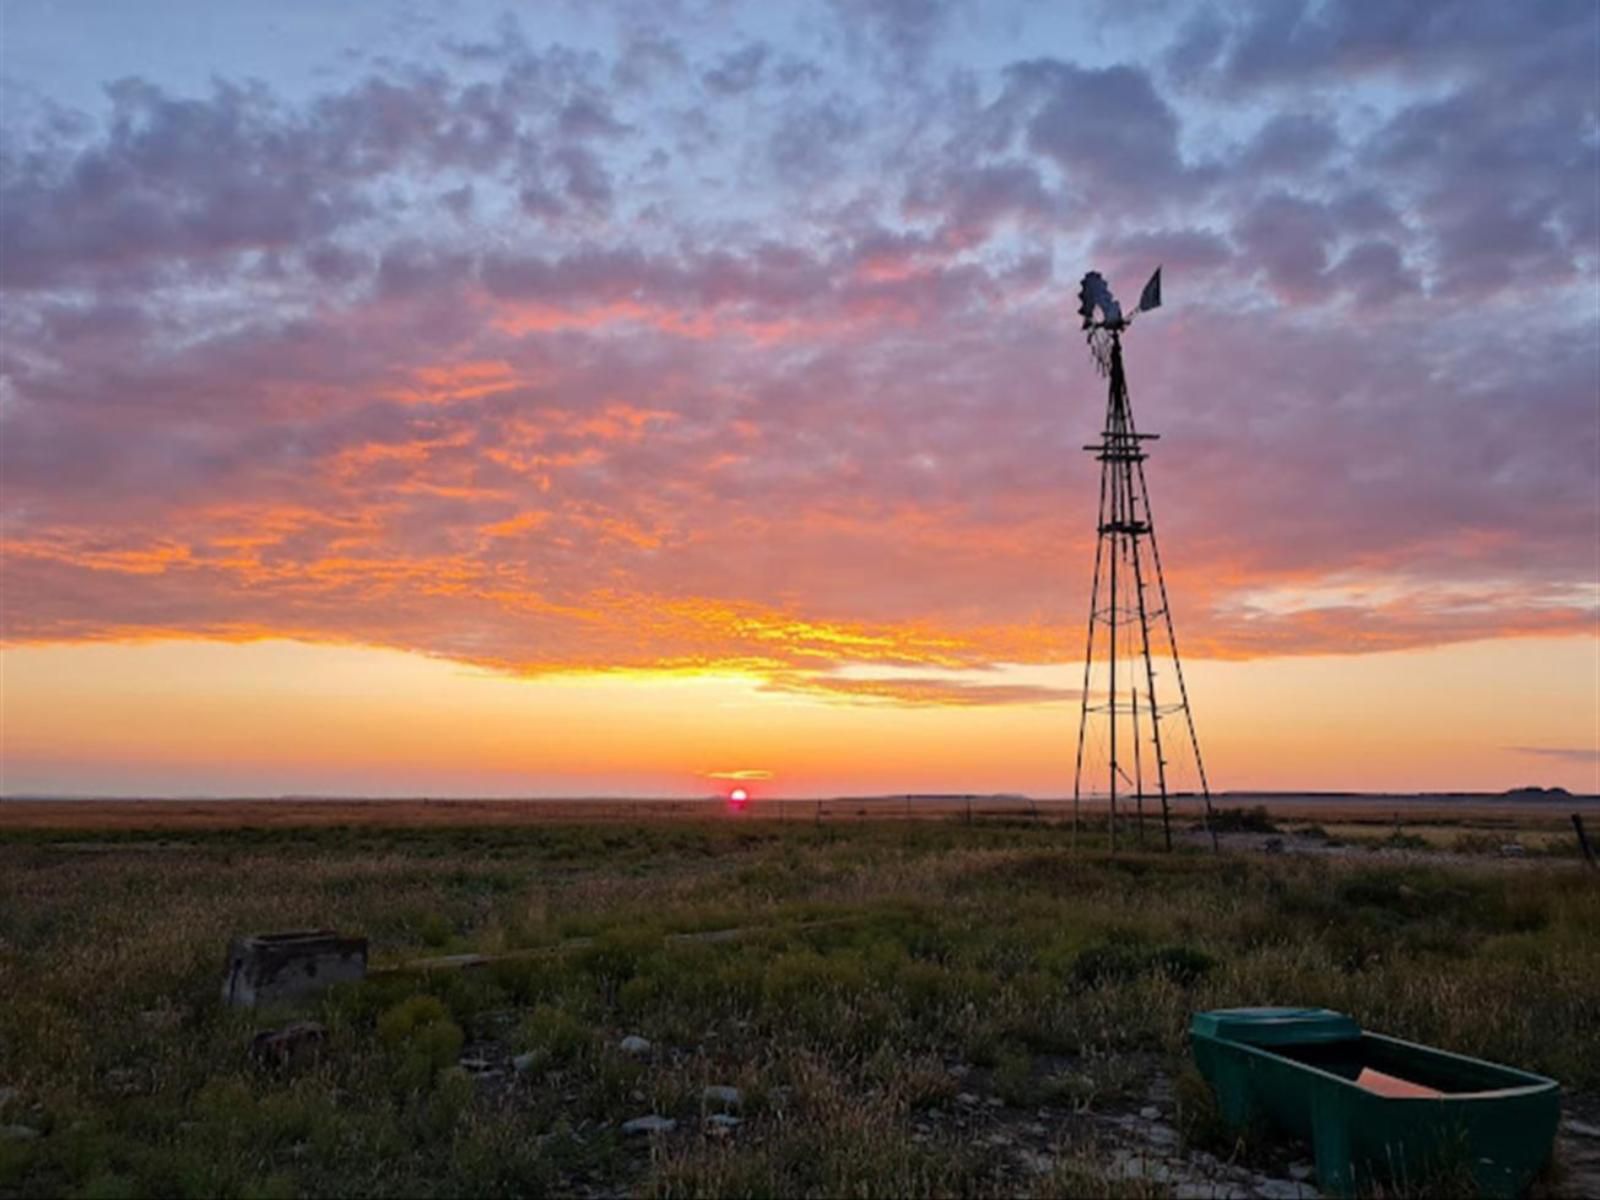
[[1126, 553]]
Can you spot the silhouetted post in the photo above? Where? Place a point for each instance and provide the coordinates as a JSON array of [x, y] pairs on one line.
[[1583, 840]]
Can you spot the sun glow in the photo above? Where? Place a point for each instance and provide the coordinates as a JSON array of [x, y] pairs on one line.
[[272, 718]]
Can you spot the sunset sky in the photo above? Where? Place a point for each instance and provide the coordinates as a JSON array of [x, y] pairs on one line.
[[575, 399]]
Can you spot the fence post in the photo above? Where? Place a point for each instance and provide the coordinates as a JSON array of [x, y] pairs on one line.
[[1583, 840]]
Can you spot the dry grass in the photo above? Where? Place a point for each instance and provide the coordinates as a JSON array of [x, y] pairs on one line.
[[876, 957]]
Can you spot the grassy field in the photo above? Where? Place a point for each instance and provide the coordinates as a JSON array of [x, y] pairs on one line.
[[921, 1007]]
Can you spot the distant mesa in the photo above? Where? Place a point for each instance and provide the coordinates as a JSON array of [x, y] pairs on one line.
[[1528, 793]]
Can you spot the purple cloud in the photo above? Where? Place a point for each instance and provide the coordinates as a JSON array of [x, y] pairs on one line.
[[580, 357]]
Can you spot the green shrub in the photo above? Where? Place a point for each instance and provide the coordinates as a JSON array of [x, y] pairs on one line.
[[422, 1038], [555, 1037], [1013, 1078], [1243, 820], [435, 931], [110, 1186], [803, 976], [617, 955]]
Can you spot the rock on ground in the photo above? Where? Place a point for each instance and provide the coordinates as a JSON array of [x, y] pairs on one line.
[[280, 1047], [653, 1123]]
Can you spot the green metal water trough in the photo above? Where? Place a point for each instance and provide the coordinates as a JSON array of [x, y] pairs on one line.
[[1375, 1107]]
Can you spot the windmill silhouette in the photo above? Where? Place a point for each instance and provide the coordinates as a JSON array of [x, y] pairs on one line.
[[1129, 614]]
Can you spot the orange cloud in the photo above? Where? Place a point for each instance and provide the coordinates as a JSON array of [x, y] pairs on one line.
[[156, 558], [523, 522], [460, 381], [961, 693]]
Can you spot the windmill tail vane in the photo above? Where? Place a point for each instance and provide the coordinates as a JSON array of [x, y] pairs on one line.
[[1151, 296], [1130, 617]]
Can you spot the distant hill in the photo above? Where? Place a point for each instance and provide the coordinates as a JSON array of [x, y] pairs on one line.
[[1533, 793]]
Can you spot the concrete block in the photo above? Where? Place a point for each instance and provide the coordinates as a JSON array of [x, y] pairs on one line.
[[264, 968]]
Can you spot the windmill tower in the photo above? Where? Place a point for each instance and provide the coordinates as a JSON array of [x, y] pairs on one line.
[[1130, 621]]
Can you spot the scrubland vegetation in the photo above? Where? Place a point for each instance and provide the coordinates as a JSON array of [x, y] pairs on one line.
[[917, 1008]]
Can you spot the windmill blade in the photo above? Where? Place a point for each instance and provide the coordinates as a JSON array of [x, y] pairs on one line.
[[1151, 296], [1095, 293]]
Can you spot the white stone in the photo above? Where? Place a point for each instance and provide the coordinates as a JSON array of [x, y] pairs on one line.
[[1284, 1189], [728, 1097], [723, 1121], [1149, 1112], [1301, 1171], [652, 1123], [1039, 1164], [1131, 1166], [966, 1098], [1581, 1128], [634, 1044], [523, 1063], [1201, 1190], [1162, 1135]]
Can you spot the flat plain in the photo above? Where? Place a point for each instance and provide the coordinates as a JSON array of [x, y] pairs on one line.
[[836, 1001]]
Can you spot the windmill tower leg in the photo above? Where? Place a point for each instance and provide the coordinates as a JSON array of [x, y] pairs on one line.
[[1088, 662], [1150, 691], [1111, 663], [1177, 669], [1138, 766]]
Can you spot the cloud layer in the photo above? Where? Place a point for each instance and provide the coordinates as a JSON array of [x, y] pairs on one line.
[[701, 348]]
